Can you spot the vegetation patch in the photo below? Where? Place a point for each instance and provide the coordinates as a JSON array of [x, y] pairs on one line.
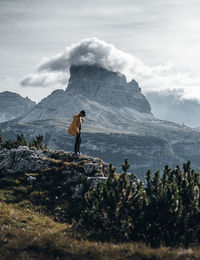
[[121, 218], [26, 234], [164, 212]]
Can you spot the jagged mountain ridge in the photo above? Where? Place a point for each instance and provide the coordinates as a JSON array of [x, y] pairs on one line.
[[96, 90], [107, 88], [13, 105]]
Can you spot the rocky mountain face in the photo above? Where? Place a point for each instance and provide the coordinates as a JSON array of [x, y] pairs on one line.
[[107, 88], [13, 105], [105, 96], [66, 173]]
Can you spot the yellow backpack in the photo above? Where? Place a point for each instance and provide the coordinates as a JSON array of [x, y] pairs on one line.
[[74, 126]]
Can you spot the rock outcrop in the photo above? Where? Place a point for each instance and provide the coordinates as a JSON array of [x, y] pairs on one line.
[[13, 105], [64, 171], [22, 159]]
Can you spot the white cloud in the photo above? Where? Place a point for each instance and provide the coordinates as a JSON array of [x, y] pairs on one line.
[[55, 70], [44, 79]]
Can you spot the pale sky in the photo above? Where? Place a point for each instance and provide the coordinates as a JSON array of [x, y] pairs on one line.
[[153, 31]]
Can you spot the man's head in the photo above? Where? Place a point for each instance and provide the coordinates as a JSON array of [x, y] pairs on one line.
[[82, 113]]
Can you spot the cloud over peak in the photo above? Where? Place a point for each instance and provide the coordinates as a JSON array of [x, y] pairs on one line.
[[55, 70], [87, 51]]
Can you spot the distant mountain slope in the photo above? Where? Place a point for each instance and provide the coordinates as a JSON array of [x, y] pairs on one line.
[[13, 105], [169, 106], [143, 151]]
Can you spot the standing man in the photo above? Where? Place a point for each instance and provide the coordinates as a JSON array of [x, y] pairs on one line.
[[75, 130]]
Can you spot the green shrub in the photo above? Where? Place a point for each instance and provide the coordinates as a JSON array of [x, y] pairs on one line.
[[163, 212], [110, 208], [37, 142], [21, 141], [8, 144]]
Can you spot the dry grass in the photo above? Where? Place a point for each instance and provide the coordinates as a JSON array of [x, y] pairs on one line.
[[26, 234]]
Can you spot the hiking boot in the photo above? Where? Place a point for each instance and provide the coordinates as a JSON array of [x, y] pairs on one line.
[[76, 154]]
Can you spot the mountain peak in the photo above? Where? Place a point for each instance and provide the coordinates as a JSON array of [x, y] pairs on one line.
[[93, 70], [106, 87], [105, 94]]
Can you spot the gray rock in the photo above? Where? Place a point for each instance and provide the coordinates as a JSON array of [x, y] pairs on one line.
[[22, 159], [59, 174], [91, 167], [31, 179], [95, 180], [77, 191]]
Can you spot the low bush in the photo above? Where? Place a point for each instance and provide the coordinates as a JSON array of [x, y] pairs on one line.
[[165, 211], [37, 142]]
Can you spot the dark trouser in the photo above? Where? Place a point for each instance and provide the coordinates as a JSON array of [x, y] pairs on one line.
[[77, 143]]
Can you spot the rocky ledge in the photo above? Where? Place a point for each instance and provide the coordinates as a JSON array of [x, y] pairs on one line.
[[62, 171]]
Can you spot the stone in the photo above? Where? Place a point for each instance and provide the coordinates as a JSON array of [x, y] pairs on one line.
[[95, 180], [59, 174], [31, 178], [77, 191]]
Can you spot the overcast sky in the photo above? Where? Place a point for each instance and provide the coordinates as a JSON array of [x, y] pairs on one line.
[[156, 33]]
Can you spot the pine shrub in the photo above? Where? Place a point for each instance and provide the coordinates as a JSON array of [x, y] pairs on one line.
[[37, 142], [164, 211]]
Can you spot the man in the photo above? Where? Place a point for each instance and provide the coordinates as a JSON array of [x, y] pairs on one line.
[[75, 130]]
